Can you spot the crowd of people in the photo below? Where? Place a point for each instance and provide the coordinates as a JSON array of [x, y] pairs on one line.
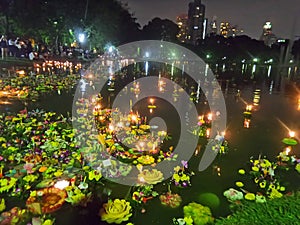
[[15, 47], [28, 49]]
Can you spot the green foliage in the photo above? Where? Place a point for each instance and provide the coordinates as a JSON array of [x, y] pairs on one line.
[[200, 214], [280, 211]]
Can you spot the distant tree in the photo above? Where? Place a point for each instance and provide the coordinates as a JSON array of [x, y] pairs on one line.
[[158, 29]]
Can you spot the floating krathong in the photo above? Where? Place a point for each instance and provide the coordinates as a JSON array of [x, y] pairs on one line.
[[171, 200], [46, 200]]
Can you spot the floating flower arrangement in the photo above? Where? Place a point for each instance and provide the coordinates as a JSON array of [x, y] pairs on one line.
[[46, 200]]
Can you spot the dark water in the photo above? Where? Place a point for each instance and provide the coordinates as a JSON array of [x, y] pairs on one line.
[[262, 138]]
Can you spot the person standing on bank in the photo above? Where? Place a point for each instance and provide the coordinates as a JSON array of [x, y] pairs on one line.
[[3, 46]]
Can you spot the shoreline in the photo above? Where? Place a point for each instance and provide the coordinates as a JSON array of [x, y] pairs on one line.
[[11, 61]]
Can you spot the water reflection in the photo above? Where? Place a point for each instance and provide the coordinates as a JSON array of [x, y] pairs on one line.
[[48, 67]]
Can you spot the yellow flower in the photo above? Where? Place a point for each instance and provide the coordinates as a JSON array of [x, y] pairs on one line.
[[146, 159], [177, 168], [94, 174], [184, 177], [282, 188], [176, 177], [150, 176], [47, 222], [2, 205], [242, 171], [263, 184], [275, 194], [239, 184], [250, 196], [116, 211], [58, 173], [188, 220], [298, 167], [267, 163], [255, 168]]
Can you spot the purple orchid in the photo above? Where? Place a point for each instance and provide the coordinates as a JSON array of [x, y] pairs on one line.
[[184, 163]]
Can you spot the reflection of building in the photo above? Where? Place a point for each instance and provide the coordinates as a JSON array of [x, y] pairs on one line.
[[267, 36], [227, 30], [182, 22], [196, 21]]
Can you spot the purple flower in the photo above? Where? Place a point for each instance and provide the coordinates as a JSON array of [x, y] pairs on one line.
[[184, 163]]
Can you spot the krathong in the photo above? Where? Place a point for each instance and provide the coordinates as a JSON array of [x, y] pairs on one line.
[[46, 200], [150, 176], [233, 195], [171, 200], [200, 214], [116, 211], [144, 193]]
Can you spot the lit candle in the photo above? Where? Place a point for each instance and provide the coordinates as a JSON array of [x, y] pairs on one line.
[[292, 133]]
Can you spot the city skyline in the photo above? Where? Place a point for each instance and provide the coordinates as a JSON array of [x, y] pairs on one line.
[[250, 16]]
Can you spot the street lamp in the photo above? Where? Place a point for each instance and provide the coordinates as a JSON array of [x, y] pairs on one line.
[[81, 37]]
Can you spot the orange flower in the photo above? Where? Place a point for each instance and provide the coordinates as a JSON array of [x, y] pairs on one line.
[[42, 169]]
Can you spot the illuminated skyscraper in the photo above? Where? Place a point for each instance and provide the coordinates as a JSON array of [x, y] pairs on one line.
[[267, 35], [226, 30], [213, 29], [196, 22], [182, 23]]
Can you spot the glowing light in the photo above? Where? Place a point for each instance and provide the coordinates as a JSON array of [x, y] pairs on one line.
[[134, 118], [209, 116], [20, 72], [142, 179], [151, 101], [81, 37], [247, 123], [287, 150], [201, 117], [219, 171], [111, 128], [208, 132], [62, 184], [249, 107], [292, 134]]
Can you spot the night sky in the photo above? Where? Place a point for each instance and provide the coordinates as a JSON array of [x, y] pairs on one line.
[[247, 14]]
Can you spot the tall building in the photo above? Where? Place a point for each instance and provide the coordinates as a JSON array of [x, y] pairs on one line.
[[196, 22], [213, 26], [182, 23], [267, 35], [227, 30]]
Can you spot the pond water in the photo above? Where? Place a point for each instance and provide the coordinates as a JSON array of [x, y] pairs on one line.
[[276, 109]]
